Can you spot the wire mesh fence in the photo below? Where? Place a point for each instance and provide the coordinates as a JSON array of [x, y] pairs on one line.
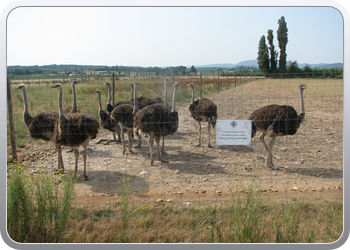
[[204, 194]]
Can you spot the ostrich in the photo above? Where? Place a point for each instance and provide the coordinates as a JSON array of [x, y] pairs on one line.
[[156, 100], [123, 115], [157, 121], [75, 130], [281, 120], [203, 110], [41, 126], [107, 122]]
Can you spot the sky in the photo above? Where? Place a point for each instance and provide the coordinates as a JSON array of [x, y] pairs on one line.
[[168, 36]]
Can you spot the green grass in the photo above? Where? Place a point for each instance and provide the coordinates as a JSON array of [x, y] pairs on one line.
[[245, 217], [38, 204]]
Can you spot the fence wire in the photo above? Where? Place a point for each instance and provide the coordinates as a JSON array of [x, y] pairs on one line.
[[125, 192]]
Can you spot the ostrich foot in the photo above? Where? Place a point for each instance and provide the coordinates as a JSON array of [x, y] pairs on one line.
[[70, 150], [59, 171], [132, 152], [138, 146], [210, 146], [86, 178], [101, 141], [164, 161], [270, 165], [198, 145], [108, 141], [152, 161]]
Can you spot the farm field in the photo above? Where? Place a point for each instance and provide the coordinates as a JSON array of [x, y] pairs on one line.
[[310, 162]]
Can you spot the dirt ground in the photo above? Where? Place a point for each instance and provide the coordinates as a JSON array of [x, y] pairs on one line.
[[310, 162]]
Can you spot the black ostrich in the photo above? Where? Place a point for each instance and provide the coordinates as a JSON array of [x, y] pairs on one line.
[[75, 130], [203, 110], [280, 120], [157, 121]]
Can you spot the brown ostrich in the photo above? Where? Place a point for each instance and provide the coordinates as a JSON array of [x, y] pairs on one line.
[[157, 121], [279, 120], [75, 130], [123, 115], [203, 110], [107, 122], [42, 126]]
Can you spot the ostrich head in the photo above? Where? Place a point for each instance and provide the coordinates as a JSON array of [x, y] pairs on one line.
[[58, 87], [21, 87]]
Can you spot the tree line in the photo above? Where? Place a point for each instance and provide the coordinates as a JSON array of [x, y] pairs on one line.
[[82, 69]]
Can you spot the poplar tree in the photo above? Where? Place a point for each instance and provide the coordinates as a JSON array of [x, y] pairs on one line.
[[263, 56], [273, 53], [282, 37]]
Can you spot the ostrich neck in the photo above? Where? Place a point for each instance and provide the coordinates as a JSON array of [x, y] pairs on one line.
[[60, 109], [192, 99], [75, 108], [136, 105], [132, 92], [25, 104], [302, 107], [109, 94], [99, 102], [174, 100]]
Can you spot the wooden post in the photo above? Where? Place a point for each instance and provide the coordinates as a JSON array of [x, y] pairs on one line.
[[235, 80], [227, 83], [218, 81], [11, 121], [113, 80], [200, 88]]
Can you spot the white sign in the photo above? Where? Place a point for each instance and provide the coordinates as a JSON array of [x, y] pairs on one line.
[[233, 132]]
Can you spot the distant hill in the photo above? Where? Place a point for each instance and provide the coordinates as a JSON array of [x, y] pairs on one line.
[[322, 65], [251, 63]]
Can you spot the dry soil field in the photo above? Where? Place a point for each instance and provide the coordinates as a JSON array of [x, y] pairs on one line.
[[311, 161]]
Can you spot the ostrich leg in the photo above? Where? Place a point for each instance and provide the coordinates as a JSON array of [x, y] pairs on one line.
[[200, 134], [60, 160], [261, 138], [269, 157], [85, 157], [151, 136], [209, 146], [159, 151], [130, 133], [76, 154]]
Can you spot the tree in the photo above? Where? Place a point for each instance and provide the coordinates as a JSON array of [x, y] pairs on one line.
[[263, 56], [273, 53], [282, 37], [193, 69]]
